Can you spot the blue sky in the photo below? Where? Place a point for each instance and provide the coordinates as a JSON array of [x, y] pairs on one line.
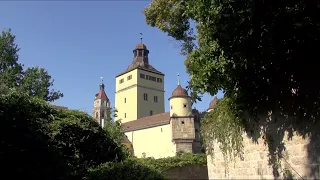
[[80, 41]]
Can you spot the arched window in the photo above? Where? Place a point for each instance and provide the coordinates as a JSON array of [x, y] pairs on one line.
[[97, 115]]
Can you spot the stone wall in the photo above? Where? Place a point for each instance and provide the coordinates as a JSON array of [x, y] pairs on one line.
[[300, 157], [189, 172], [183, 133]]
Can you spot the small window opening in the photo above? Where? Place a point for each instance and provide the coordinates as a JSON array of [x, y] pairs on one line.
[[182, 122], [184, 105]]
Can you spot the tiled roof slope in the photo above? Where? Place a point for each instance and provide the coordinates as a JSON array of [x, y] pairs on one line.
[[147, 122]]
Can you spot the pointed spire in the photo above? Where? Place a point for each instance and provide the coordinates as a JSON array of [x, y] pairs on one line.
[[178, 79], [141, 38], [102, 85]]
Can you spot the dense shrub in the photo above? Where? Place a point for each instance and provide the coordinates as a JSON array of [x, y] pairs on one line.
[[39, 142], [83, 142], [180, 160], [127, 170], [26, 148]]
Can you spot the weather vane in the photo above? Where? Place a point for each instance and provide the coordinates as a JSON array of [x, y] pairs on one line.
[[178, 79], [141, 37], [101, 79]]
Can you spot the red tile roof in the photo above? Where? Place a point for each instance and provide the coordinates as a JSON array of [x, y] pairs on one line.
[[213, 102], [179, 92], [147, 122], [102, 95]]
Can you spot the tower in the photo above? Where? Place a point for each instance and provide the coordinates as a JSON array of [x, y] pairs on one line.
[[101, 105], [140, 88], [212, 104], [182, 121]]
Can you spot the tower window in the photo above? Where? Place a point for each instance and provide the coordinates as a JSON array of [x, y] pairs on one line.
[[97, 115], [145, 96], [125, 100], [102, 114], [129, 77], [151, 113], [155, 99], [170, 107], [140, 53], [161, 129], [125, 115], [121, 81], [182, 122], [142, 76], [184, 105], [135, 53]]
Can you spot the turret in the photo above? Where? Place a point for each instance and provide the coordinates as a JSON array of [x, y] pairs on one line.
[[212, 103], [180, 102], [182, 121], [101, 105]]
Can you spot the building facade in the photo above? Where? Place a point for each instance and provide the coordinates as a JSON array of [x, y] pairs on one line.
[[140, 106]]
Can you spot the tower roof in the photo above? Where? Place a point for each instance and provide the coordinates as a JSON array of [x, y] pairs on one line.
[[213, 102], [141, 46], [141, 61], [179, 92], [102, 94]]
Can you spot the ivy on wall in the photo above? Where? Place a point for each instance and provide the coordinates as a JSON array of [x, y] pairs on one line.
[[180, 160]]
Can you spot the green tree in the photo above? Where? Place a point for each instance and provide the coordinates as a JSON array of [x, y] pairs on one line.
[[26, 148], [250, 49], [10, 69], [34, 81], [113, 127], [83, 142], [260, 53], [37, 82]]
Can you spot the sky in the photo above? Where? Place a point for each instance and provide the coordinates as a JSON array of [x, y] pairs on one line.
[[78, 42]]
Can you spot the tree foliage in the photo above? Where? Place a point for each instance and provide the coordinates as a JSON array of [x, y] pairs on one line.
[[10, 69], [83, 142], [126, 170], [43, 143], [260, 53], [34, 81], [26, 148], [113, 127], [37, 82], [250, 49]]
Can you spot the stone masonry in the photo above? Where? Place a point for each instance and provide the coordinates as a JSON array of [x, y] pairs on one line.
[[183, 133], [301, 158]]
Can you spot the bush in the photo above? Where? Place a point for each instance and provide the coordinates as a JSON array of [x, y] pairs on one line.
[[127, 170], [180, 160], [26, 148], [39, 142], [83, 142]]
